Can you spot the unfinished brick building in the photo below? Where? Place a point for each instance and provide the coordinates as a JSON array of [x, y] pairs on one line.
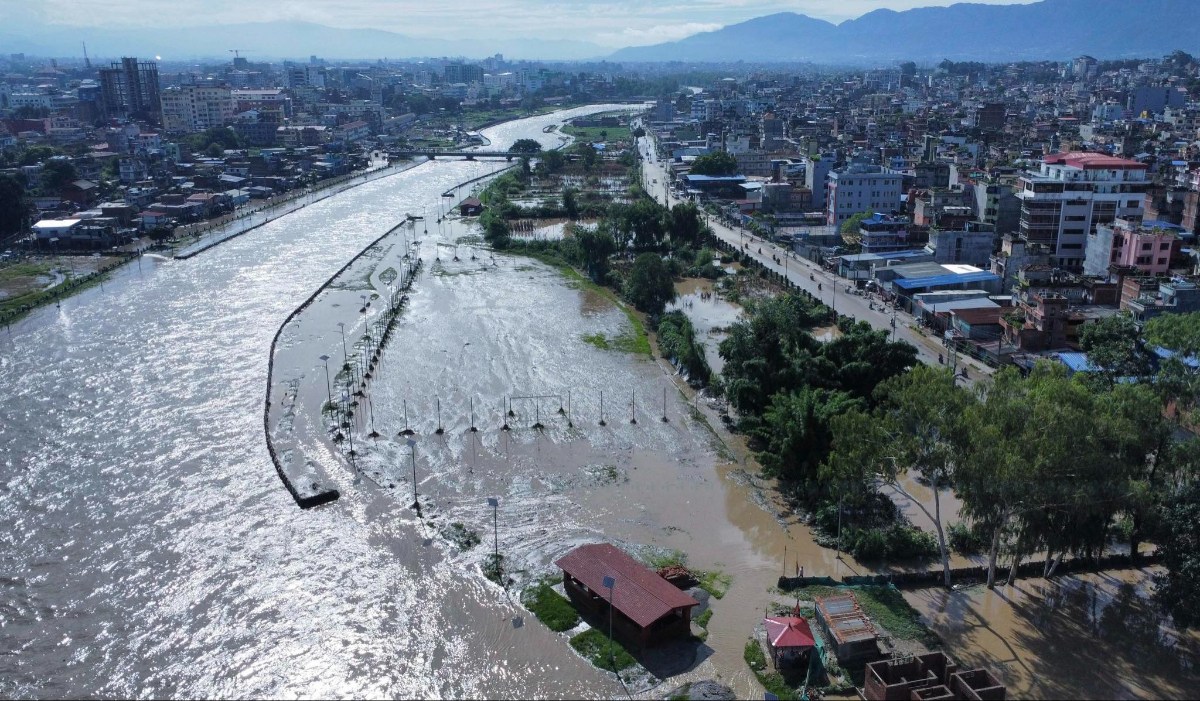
[[931, 677]]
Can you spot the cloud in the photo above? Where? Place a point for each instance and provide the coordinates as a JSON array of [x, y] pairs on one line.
[[656, 34]]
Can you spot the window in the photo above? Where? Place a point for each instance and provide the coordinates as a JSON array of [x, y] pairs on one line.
[[1162, 261], [1146, 246], [1164, 246]]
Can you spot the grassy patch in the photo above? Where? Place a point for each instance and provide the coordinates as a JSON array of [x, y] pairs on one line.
[[618, 133], [703, 619], [463, 538], [550, 607], [596, 339], [20, 270], [886, 607], [671, 558], [493, 568], [638, 342], [754, 656], [388, 276], [595, 647], [715, 583], [771, 681]]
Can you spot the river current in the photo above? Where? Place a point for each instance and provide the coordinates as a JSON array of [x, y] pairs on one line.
[[147, 547]]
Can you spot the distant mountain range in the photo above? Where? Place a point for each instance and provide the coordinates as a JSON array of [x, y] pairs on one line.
[[1047, 30], [272, 40]]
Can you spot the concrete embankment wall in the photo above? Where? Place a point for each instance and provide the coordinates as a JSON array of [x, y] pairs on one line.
[[307, 493]]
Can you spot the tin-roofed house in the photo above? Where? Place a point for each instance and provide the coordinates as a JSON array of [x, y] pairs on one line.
[[647, 609]]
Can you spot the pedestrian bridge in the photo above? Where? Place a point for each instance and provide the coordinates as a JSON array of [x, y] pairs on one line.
[[469, 155]]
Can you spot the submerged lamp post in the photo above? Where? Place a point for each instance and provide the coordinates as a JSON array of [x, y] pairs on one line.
[[495, 504], [412, 446], [328, 384]]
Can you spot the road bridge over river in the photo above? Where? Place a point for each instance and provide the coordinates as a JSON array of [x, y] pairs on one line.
[[469, 155]]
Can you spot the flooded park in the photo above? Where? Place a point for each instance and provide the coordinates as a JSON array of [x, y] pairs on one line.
[[150, 548]]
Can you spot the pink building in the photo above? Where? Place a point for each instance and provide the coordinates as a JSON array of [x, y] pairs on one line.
[[1148, 246]]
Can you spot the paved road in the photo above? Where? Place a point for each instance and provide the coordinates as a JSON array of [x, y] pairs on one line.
[[833, 289]]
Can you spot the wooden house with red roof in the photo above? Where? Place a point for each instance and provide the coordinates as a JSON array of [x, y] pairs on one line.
[[647, 609]]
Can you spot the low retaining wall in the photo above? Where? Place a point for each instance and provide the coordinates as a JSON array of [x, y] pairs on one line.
[[933, 578], [314, 494]]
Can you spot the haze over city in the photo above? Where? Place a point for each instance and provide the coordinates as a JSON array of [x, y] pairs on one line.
[[714, 350]]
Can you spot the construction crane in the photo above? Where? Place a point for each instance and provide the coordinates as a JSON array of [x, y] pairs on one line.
[[235, 52]]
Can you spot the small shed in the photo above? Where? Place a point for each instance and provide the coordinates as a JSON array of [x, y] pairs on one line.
[[850, 630], [646, 608], [789, 638], [470, 207]]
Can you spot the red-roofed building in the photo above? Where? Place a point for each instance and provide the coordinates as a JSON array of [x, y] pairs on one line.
[[1071, 195], [647, 608], [789, 638]]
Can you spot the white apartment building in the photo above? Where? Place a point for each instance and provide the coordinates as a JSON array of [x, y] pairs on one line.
[[862, 188], [194, 108], [1074, 193]]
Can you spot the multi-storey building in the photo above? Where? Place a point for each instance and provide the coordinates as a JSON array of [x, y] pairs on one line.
[[463, 73], [1146, 246], [1074, 193], [883, 233], [816, 177], [194, 108], [862, 188], [129, 89]]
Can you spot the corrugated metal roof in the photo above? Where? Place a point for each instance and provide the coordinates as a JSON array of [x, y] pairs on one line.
[[639, 593], [936, 280], [845, 620]]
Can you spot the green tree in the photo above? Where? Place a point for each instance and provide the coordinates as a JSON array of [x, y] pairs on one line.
[[595, 246], [57, 173], [650, 285], [996, 456], [716, 163], [14, 205], [796, 431], [922, 412], [587, 154], [36, 154], [525, 146], [684, 225], [550, 162], [1113, 345], [851, 225], [645, 219], [1178, 588], [570, 202]]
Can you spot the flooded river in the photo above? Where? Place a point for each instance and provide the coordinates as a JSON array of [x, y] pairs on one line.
[[147, 547]]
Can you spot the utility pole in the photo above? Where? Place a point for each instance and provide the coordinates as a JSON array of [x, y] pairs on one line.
[[412, 446], [495, 504]]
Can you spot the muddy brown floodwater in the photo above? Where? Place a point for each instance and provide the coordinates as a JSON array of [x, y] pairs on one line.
[[1092, 636]]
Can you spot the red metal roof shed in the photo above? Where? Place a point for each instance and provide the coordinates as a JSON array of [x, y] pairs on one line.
[[640, 593]]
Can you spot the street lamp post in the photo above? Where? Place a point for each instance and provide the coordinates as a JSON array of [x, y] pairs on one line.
[[495, 504], [412, 446], [342, 327], [328, 384]]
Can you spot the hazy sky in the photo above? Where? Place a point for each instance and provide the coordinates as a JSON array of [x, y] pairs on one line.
[[613, 23]]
